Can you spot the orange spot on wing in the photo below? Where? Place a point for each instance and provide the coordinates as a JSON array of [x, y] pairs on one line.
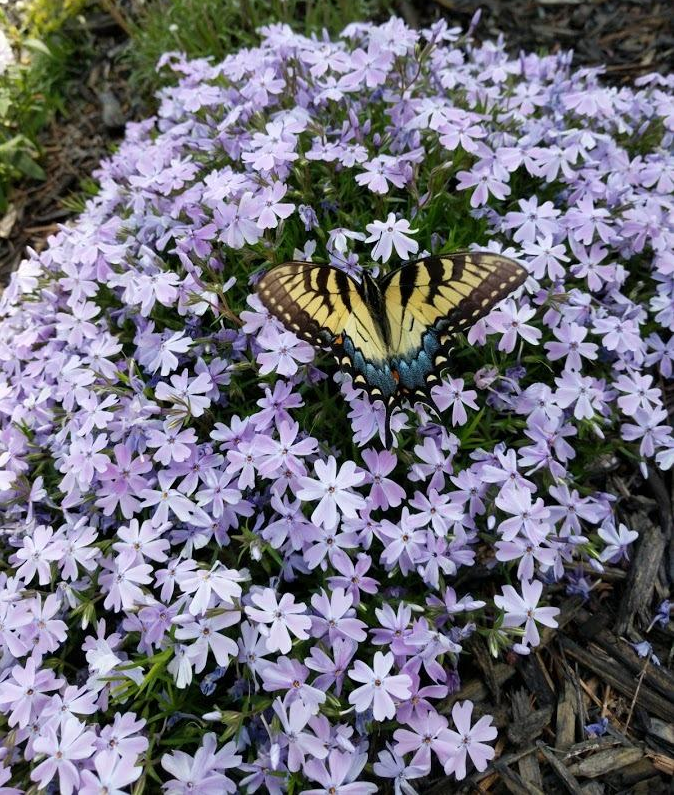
[[339, 339], [396, 376]]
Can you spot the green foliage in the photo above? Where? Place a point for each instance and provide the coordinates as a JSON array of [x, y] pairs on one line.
[[214, 28], [42, 17], [33, 85]]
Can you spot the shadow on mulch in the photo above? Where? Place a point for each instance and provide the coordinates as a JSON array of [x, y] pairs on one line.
[[587, 669]]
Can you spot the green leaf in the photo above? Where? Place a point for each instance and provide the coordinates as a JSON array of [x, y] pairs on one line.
[[37, 46], [31, 168]]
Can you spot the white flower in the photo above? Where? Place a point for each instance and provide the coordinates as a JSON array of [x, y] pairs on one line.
[[390, 234]]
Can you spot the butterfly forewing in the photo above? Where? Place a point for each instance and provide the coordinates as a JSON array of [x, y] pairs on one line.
[[322, 305], [447, 293]]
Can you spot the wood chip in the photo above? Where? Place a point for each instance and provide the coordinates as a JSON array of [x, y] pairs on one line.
[[619, 678], [565, 733], [568, 779], [643, 575], [605, 761]]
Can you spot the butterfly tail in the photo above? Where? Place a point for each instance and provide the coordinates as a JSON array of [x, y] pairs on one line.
[[388, 433]]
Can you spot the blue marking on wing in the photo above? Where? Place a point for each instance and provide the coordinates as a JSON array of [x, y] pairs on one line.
[[415, 370], [379, 377]]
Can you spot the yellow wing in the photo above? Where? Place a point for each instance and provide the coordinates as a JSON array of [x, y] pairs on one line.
[[323, 306], [445, 294]]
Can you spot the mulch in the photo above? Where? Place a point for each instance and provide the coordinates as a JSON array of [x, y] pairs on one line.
[[587, 668]]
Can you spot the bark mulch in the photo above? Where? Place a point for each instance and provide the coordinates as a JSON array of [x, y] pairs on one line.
[[587, 669]]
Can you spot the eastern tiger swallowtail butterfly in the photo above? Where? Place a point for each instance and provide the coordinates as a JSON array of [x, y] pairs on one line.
[[393, 334]]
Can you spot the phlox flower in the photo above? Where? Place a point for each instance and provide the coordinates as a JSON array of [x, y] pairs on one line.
[[429, 732], [380, 686], [205, 632], [335, 616], [282, 354], [165, 499], [466, 741], [352, 576], [639, 394], [203, 773], [216, 583], [188, 394], [291, 676], [332, 669], [299, 741], [617, 540], [38, 551], [528, 517], [390, 765], [385, 492], [532, 220], [451, 393], [527, 551], [647, 427], [112, 776], [272, 208], [484, 183], [523, 609], [571, 346], [283, 617], [391, 234], [25, 689], [511, 321], [73, 745], [333, 490]]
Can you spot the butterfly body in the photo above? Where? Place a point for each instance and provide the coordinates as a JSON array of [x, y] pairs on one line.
[[393, 334]]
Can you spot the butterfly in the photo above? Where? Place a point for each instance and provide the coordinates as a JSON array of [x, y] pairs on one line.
[[392, 334]]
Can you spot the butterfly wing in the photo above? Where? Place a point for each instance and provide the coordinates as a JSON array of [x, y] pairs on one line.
[[432, 299], [325, 307]]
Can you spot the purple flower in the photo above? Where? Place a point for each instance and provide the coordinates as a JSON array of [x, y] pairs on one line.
[[451, 393], [339, 776], [335, 616], [571, 346], [332, 489], [528, 517], [469, 741], [429, 733], [299, 742], [532, 221], [617, 540], [390, 765], [283, 616], [647, 427], [385, 492], [74, 744], [333, 669], [205, 768], [524, 609], [283, 352], [272, 208], [484, 182], [379, 688], [291, 676], [25, 690], [113, 776], [511, 321]]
